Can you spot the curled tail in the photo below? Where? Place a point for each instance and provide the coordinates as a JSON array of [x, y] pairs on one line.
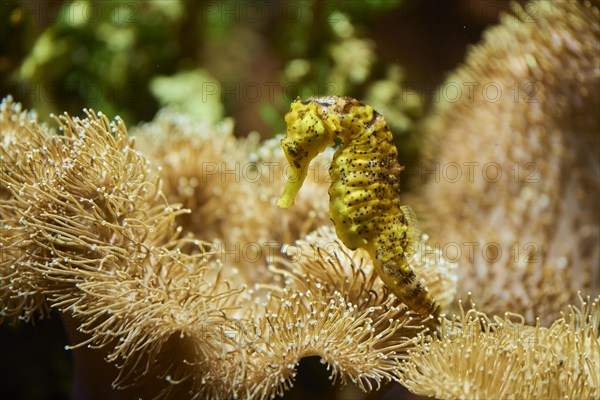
[[397, 239], [399, 277]]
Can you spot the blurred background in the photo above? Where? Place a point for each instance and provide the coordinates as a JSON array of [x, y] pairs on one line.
[[242, 59]]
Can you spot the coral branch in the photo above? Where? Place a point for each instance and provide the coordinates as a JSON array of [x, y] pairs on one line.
[[524, 212]]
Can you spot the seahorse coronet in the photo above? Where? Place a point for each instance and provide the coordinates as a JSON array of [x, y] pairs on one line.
[[364, 194]]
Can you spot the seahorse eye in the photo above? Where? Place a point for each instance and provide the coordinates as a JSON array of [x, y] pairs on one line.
[[293, 150]]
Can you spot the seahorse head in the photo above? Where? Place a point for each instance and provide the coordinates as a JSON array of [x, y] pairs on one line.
[[311, 128]]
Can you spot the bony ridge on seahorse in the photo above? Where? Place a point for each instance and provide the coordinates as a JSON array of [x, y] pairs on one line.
[[364, 194]]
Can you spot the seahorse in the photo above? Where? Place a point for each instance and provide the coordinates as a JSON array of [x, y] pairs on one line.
[[364, 201]]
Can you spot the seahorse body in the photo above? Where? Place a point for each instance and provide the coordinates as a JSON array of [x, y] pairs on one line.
[[364, 194]]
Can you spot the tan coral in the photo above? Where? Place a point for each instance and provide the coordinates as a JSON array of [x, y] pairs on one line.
[[333, 305], [480, 358], [230, 185], [86, 230], [99, 242], [321, 254], [512, 169]]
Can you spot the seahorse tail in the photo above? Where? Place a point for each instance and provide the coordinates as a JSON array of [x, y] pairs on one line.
[[402, 281]]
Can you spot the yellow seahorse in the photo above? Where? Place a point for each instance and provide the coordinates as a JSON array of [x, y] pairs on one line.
[[364, 194]]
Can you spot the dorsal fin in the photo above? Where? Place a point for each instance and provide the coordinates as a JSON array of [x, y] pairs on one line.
[[413, 233]]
